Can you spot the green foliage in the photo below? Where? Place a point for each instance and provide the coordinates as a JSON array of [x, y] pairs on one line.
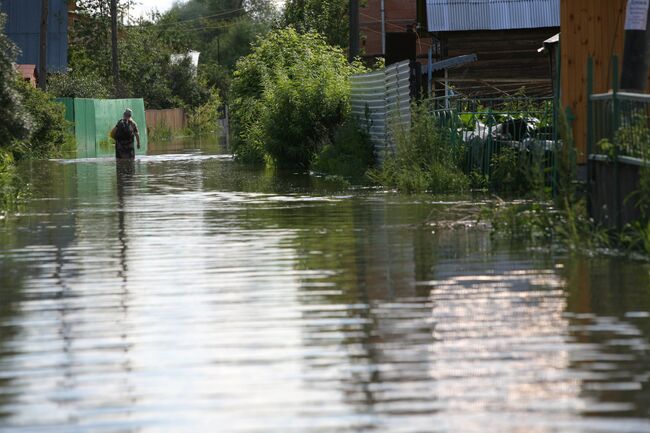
[[327, 17], [49, 131], [31, 123], [162, 132], [145, 50], [518, 172], [350, 154], [76, 85], [222, 30], [424, 159], [633, 138], [204, 118], [14, 120], [288, 96]]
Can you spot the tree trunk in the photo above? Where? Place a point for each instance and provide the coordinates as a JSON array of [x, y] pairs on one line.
[[354, 29], [115, 64], [42, 61]]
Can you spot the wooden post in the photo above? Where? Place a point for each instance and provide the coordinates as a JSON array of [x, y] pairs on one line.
[[115, 64], [354, 29], [42, 66], [634, 76]]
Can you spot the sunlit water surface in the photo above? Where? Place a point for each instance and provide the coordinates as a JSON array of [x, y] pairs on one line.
[[186, 293]]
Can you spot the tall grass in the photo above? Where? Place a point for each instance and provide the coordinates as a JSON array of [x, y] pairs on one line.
[[424, 160]]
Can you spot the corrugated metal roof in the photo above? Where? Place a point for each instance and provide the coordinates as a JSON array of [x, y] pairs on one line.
[[23, 27], [462, 15]]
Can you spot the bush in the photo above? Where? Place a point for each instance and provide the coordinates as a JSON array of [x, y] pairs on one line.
[[14, 121], [204, 118], [350, 154], [77, 85], [288, 97], [424, 158], [49, 131]]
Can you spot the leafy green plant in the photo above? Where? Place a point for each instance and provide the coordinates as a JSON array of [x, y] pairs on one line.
[[204, 119], [424, 158], [350, 154], [76, 85], [288, 96], [161, 132], [49, 132], [329, 18], [14, 120]]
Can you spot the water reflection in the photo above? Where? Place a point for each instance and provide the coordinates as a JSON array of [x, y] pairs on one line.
[[179, 292]]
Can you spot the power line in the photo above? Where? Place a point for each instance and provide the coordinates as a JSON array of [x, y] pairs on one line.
[[204, 17]]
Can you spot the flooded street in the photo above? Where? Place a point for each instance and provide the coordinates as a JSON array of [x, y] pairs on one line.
[[187, 293]]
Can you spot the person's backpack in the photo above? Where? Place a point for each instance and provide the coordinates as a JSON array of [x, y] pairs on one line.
[[123, 131]]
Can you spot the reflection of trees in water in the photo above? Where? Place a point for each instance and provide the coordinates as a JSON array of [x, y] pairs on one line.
[[377, 334], [603, 296], [52, 285], [44, 224]]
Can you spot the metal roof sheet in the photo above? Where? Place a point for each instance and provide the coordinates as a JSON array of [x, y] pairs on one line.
[[453, 62], [463, 15], [23, 28]]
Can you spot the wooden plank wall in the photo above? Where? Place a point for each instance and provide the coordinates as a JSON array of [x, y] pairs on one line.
[[588, 28], [502, 54], [173, 118], [398, 14]]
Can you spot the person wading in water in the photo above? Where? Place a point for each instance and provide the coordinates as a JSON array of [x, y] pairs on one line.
[[124, 133]]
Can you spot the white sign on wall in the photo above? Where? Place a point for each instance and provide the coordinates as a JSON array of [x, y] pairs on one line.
[[637, 15]]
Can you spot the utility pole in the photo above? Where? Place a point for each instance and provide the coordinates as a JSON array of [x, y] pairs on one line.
[[354, 29], [42, 61], [115, 65], [635, 60]]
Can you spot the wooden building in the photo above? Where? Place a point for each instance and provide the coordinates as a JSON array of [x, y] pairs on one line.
[[399, 17], [589, 28], [505, 36]]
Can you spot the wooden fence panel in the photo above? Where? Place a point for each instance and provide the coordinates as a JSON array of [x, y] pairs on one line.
[[173, 118]]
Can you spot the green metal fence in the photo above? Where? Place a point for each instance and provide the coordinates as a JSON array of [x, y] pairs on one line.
[[485, 126], [93, 120], [618, 149], [620, 124]]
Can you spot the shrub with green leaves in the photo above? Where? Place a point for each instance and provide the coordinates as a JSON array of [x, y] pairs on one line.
[[204, 118], [49, 131], [424, 157], [351, 152], [288, 98], [77, 85], [14, 120]]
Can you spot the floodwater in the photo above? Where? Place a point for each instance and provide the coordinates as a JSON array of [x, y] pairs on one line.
[[186, 293]]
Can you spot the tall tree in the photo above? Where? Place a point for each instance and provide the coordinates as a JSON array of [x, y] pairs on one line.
[[327, 17], [114, 61]]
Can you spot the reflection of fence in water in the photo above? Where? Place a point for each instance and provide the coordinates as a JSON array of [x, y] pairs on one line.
[[486, 125]]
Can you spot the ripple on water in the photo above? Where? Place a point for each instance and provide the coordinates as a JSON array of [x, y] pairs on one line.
[[194, 294]]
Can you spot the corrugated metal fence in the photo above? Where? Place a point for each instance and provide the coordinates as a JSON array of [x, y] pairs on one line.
[[23, 28], [382, 97]]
